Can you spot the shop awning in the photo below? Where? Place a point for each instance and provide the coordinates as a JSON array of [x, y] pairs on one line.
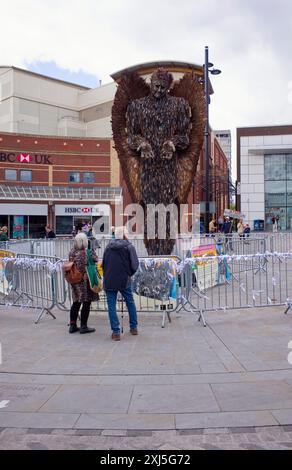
[[60, 193]]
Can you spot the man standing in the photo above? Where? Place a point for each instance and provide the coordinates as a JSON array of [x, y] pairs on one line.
[[119, 263]]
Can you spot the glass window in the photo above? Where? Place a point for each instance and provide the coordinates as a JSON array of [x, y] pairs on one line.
[[289, 193], [74, 177], [11, 175], [289, 167], [64, 225], [88, 177], [275, 193], [275, 167], [37, 225], [289, 218], [25, 175]]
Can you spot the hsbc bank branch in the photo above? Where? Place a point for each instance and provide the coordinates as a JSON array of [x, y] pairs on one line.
[[56, 181], [68, 216]]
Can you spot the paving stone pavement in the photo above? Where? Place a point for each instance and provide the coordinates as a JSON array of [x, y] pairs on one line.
[[274, 438], [184, 386]]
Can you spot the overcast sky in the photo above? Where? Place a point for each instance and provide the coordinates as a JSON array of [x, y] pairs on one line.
[[249, 40]]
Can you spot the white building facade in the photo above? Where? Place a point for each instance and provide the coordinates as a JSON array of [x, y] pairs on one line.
[[264, 175]]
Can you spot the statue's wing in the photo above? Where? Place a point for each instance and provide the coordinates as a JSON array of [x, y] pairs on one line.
[[131, 87], [192, 90]]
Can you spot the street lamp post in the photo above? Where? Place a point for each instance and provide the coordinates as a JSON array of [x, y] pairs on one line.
[[207, 69]]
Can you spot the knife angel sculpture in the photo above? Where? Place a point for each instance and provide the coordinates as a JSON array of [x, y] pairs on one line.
[[158, 130]]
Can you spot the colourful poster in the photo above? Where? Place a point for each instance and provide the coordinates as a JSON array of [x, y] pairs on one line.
[[18, 226], [206, 271]]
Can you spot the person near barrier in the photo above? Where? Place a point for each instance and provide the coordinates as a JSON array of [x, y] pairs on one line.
[[246, 230], [240, 228], [49, 233], [3, 234], [227, 229], [212, 227], [119, 263], [81, 292]]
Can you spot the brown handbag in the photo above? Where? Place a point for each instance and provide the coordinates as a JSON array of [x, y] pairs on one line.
[[71, 273]]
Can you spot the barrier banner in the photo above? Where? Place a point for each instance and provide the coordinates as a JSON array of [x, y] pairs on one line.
[[206, 272], [6, 273], [155, 278]]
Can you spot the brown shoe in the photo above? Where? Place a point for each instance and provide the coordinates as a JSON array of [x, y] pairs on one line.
[[134, 331], [116, 336]]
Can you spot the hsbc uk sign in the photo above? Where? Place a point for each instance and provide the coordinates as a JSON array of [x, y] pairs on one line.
[[82, 210], [35, 158]]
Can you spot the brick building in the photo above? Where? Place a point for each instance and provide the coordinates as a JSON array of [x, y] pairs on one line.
[[56, 181]]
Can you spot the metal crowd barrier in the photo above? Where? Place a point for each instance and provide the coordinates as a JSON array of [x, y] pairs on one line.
[[217, 283], [255, 242], [30, 283], [202, 284]]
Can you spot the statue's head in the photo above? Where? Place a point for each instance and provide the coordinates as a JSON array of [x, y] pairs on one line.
[[161, 81]]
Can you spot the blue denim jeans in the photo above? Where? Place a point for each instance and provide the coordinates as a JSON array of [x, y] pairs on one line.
[[127, 294]]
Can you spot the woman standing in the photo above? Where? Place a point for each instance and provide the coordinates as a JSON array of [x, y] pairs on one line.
[[81, 292], [240, 228]]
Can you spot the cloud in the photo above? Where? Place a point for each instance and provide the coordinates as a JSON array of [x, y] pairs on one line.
[[249, 41]]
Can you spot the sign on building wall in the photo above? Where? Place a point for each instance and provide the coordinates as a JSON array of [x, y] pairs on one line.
[[38, 159], [82, 210]]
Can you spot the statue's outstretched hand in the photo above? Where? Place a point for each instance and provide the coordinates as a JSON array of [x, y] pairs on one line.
[[146, 150], [168, 150]]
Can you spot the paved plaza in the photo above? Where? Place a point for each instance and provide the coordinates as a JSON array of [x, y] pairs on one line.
[[228, 385]]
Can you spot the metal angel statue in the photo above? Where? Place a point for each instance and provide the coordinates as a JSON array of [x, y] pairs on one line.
[[158, 133]]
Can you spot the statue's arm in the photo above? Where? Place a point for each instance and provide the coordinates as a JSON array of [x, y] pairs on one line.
[[135, 138], [181, 139]]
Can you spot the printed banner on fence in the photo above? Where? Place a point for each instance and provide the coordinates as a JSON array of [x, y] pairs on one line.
[[5, 271], [156, 278], [206, 271]]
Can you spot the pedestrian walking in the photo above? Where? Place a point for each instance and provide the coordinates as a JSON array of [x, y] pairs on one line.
[[119, 263], [275, 224], [81, 291]]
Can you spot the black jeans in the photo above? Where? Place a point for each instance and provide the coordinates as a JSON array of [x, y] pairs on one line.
[[84, 312]]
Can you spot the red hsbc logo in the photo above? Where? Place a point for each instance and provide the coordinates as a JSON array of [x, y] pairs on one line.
[[78, 210], [24, 158]]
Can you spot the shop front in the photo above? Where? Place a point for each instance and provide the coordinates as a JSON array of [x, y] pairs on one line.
[[24, 220], [68, 216]]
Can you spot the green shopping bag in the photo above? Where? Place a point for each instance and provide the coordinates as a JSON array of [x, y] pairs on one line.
[[94, 278]]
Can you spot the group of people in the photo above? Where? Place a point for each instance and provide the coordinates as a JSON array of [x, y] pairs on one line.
[[82, 227], [119, 263], [227, 226]]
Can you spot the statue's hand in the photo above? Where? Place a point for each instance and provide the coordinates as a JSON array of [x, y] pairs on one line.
[[168, 150], [146, 150]]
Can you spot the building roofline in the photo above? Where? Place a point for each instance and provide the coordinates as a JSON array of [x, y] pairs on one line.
[[47, 77], [53, 137], [265, 126]]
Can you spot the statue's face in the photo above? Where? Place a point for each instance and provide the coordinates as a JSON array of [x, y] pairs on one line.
[[159, 87]]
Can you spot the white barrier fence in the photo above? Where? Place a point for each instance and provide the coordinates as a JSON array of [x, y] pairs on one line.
[[233, 244], [205, 284]]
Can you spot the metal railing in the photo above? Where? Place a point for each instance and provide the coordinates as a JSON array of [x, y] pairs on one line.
[[217, 283]]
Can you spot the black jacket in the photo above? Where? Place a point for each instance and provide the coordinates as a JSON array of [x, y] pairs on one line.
[[119, 263]]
